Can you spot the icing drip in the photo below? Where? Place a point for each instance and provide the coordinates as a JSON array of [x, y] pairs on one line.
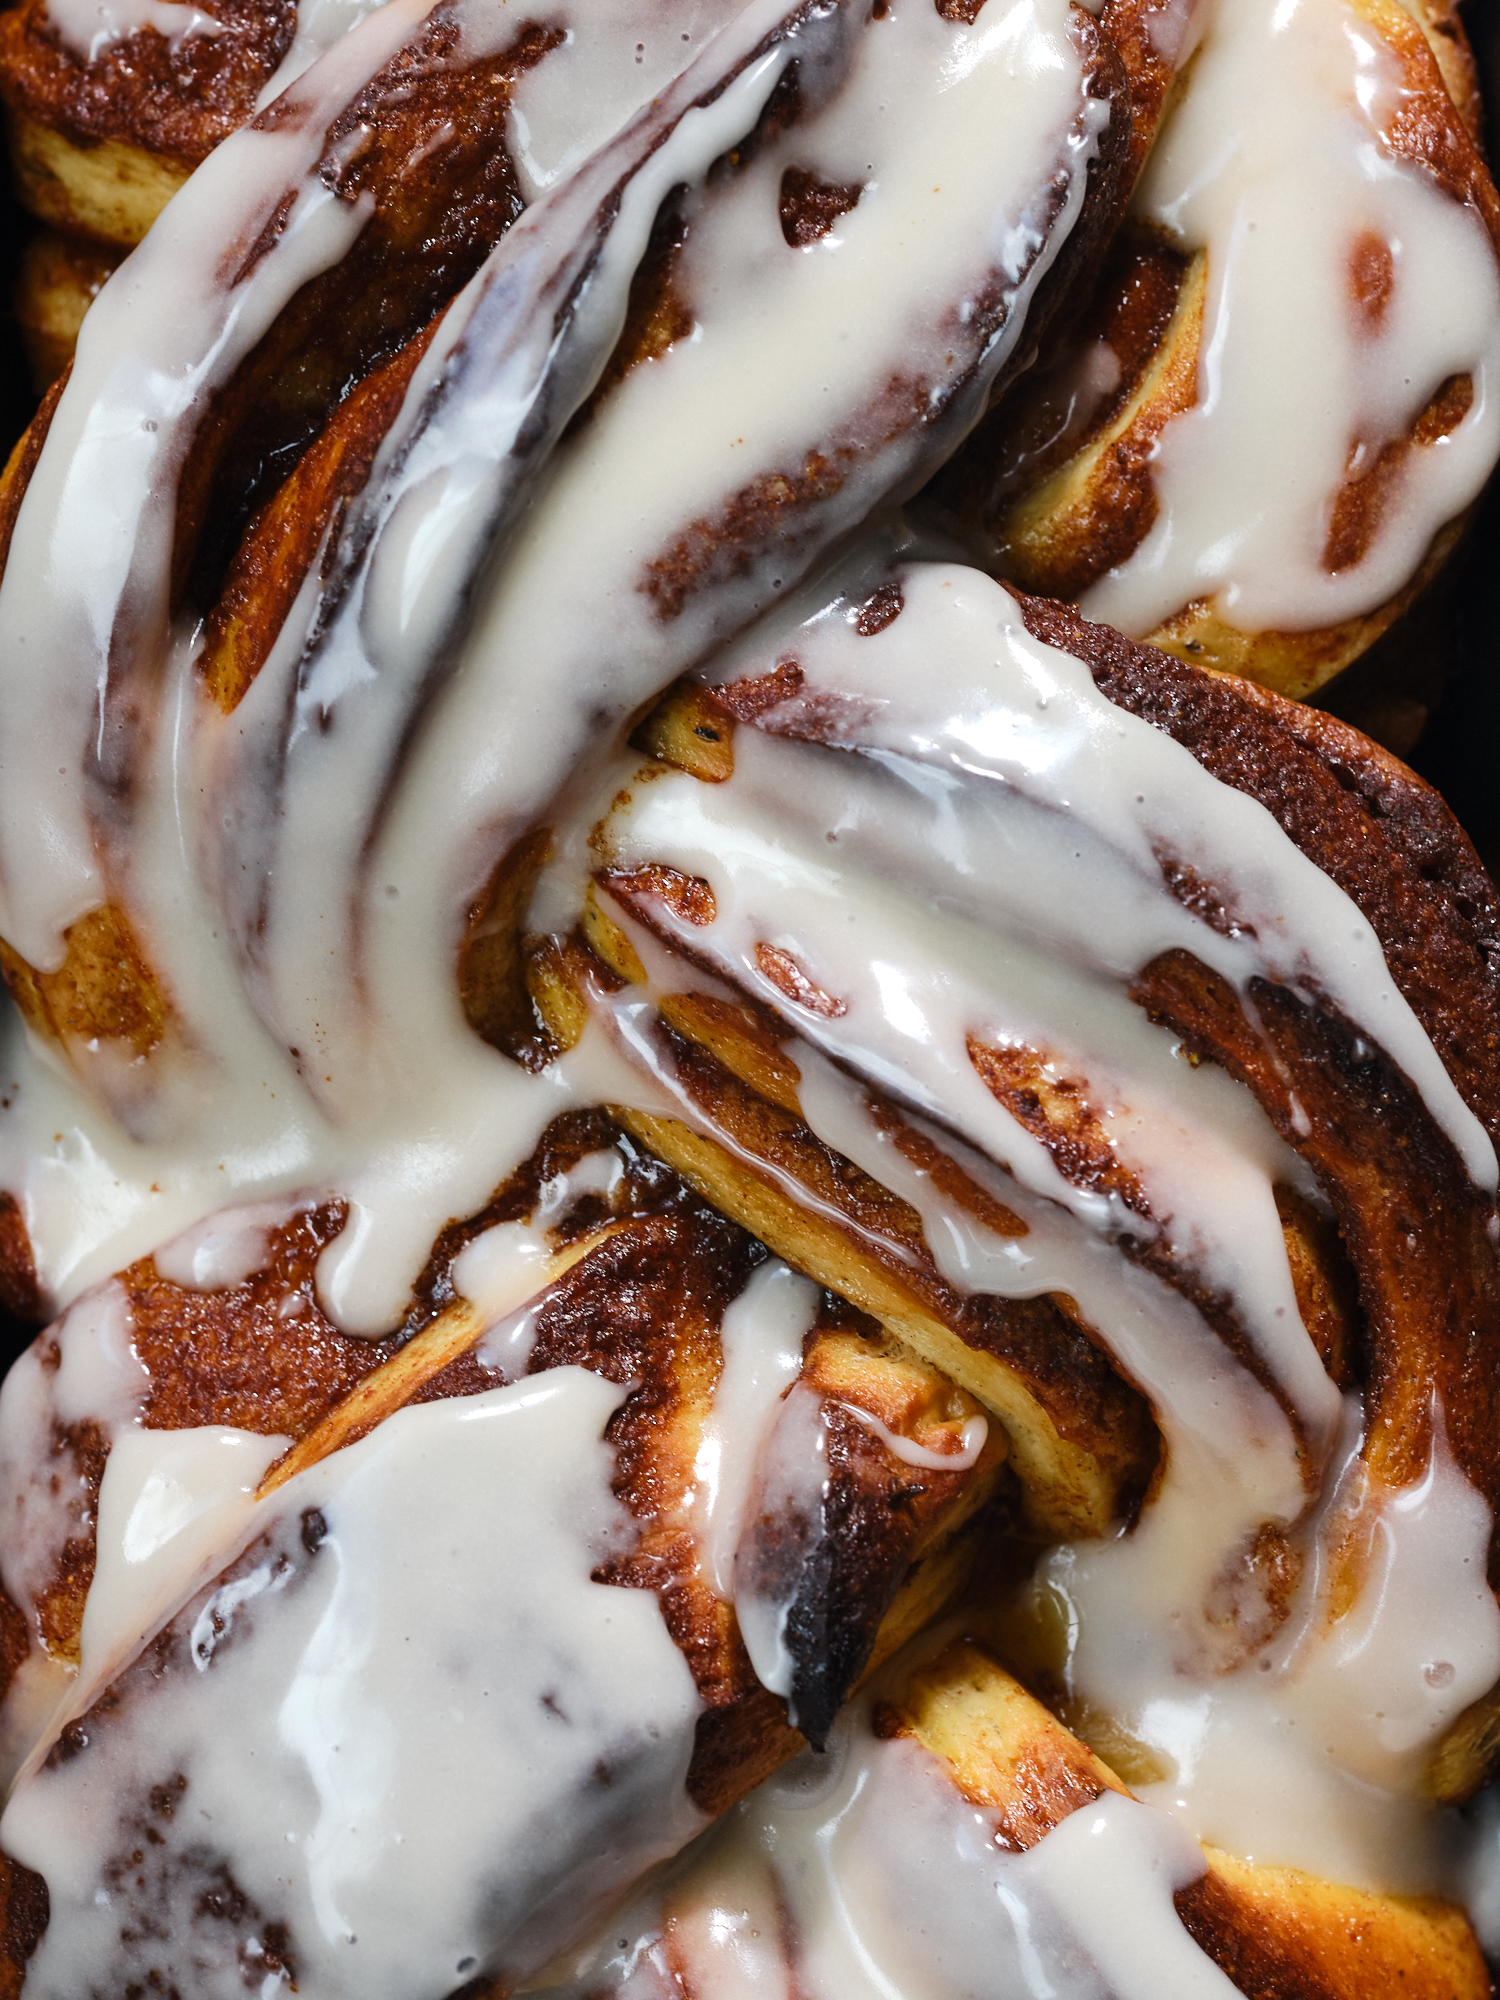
[[792, 1479], [66, 1400], [1336, 1713], [971, 1444], [1300, 389], [172, 1506], [167, 331], [865, 1876], [538, 1720], [223, 1249]]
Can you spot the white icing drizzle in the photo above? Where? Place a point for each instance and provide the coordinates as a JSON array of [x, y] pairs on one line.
[[762, 1334], [320, 23], [86, 1372], [864, 1875], [1296, 388], [970, 1439], [88, 27], [420, 1737], [166, 331], [352, 967], [100, 1378], [173, 1506], [502, 1269], [755, 299], [922, 885], [1310, 1752], [586, 90], [537, 1724], [914, 870], [223, 1249], [791, 1480]]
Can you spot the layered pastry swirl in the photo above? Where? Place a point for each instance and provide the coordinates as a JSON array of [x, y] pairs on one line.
[[765, 1262]]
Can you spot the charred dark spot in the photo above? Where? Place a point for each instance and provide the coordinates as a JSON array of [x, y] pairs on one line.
[[314, 1530]]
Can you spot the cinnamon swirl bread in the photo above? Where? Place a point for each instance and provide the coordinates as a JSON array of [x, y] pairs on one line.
[[663, 1132]]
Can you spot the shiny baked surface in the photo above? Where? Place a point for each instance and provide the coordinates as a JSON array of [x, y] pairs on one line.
[[659, 1121]]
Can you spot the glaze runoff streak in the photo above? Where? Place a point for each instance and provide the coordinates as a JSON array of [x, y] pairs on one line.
[[969, 842]]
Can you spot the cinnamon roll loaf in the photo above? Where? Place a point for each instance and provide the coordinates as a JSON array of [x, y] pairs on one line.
[[664, 1134]]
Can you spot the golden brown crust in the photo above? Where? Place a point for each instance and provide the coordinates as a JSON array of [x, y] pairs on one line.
[[1415, 1229], [105, 194], [1277, 1933], [77, 1453], [1371, 825], [638, 1295], [1325, 1284], [259, 1357], [1055, 1109], [176, 103], [1139, 31], [1441, 21], [1083, 1442], [1076, 463], [1001, 1747], [20, 1291], [429, 229], [103, 992], [1283, 1935]]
